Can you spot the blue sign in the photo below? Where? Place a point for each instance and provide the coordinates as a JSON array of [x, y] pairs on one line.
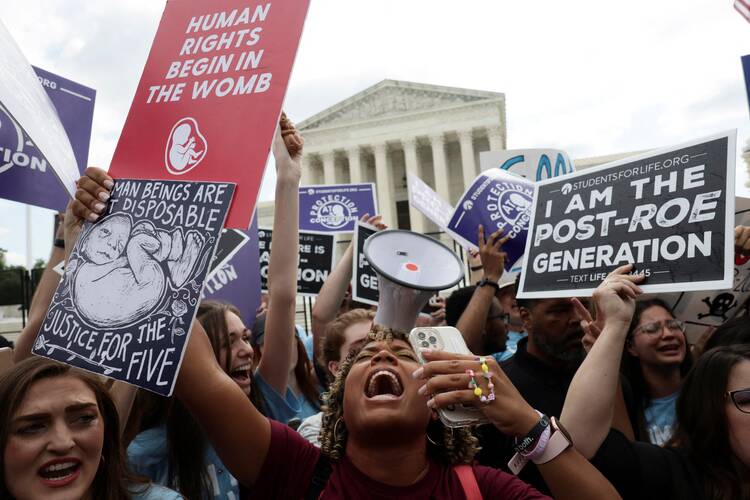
[[746, 70], [496, 199], [335, 208], [237, 281], [131, 287], [25, 174]]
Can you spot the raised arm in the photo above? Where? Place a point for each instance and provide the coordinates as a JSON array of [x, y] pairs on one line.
[[275, 364], [45, 290], [238, 431], [590, 402], [569, 475], [334, 288], [472, 322]]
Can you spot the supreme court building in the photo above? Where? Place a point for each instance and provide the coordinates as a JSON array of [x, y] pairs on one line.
[[394, 128]]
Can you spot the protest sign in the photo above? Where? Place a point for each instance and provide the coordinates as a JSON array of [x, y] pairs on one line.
[[210, 96], [699, 310], [671, 212], [364, 277], [335, 208], [746, 70], [423, 198], [316, 252], [230, 242], [237, 281], [131, 287], [24, 103], [532, 164], [496, 199], [25, 174]]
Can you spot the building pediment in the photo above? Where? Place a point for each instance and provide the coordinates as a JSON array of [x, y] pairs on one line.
[[391, 98]]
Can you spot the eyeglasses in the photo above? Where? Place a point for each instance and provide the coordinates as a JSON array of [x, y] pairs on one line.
[[673, 325], [740, 398], [505, 317]]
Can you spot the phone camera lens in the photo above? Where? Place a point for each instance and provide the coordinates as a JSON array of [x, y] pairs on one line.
[[421, 335], [433, 341], [425, 343]]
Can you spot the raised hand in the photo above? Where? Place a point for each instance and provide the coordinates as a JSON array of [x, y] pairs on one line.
[[448, 377], [491, 253], [287, 148]]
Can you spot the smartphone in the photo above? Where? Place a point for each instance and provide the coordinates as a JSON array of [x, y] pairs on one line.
[[447, 338]]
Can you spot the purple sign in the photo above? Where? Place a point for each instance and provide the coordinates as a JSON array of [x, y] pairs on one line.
[[335, 208], [237, 282], [496, 199], [25, 174], [746, 70]]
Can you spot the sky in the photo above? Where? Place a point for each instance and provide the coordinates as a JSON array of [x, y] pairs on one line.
[[589, 77]]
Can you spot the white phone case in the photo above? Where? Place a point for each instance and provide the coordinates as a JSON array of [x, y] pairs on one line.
[[447, 338]]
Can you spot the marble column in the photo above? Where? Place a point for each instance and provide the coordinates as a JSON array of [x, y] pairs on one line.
[[440, 167], [383, 181], [467, 157], [356, 175], [416, 219], [307, 173], [495, 136], [329, 171]]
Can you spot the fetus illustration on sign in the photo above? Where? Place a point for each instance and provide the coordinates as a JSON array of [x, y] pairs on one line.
[[123, 272], [186, 147]]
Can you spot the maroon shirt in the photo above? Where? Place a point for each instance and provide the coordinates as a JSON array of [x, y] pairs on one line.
[[291, 460]]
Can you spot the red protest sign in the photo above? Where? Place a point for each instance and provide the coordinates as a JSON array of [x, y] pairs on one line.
[[210, 95]]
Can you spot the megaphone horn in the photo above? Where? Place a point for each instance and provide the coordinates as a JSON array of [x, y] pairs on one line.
[[411, 267]]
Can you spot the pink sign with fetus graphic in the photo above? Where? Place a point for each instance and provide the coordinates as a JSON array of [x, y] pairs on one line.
[[186, 147]]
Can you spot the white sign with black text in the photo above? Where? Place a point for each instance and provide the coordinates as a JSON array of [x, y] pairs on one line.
[[671, 212]]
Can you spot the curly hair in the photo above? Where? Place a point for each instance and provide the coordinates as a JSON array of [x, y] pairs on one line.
[[457, 446]]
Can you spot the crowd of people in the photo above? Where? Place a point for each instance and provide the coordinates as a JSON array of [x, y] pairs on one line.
[[605, 396]]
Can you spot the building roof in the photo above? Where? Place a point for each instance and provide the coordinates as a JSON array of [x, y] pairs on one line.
[[391, 98]]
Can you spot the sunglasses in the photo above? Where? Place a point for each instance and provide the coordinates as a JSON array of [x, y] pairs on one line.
[[740, 398], [673, 325]]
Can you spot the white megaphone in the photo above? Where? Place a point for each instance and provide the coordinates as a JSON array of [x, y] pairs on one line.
[[411, 267]]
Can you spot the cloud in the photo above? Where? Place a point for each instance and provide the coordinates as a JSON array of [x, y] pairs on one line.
[[15, 259]]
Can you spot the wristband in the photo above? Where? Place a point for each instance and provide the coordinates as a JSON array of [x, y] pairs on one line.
[[541, 446], [59, 243], [526, 444], [485, 281]]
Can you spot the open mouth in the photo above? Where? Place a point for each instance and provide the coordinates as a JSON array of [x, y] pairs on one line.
[[383, 384], [670, 349], [241, 374], [60, 473]]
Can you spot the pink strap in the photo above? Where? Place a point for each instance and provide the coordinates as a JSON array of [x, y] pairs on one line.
[[468, 482]]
